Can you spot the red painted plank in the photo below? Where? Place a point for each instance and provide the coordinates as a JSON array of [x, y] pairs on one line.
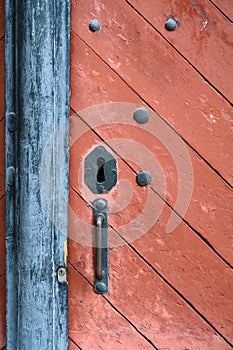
[[94, 324], [138, 293], [1, 18], [147, 63], [209, 212], [92, 81], [225, 6], [204, 36], [148, 300], [189, 265]]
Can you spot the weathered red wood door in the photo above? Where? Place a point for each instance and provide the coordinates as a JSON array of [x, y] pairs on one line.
[[170, 256]]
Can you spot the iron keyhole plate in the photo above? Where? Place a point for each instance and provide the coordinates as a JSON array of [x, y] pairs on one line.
[[100, 170]]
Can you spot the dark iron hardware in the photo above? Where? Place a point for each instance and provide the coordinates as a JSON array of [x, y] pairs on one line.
[[100, 171], [101, 245]]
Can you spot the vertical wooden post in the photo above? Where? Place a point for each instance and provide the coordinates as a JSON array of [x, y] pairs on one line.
[[37, 104]]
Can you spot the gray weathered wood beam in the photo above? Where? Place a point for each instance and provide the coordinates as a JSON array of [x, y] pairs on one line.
[[37, 140]]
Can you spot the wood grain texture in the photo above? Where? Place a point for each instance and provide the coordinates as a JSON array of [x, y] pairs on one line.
[[204, 37], [2, 276], [151, 67], [2, 186], [37, 95]]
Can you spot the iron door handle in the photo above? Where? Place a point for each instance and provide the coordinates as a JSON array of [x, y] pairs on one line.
[[101, 245]]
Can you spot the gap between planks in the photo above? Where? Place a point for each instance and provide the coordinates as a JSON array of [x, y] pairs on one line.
[[119, 312], [72, 339], [179, 53], [169, 285], [221, 11], [148, 105], [203, 239]]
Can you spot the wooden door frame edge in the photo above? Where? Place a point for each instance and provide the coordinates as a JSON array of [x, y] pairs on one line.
[[37, 92]]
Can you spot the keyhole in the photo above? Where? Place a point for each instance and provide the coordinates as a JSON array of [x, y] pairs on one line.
[[100, 174]]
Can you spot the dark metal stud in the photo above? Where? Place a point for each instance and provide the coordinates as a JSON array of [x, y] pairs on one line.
[[141, 115], [94, 25], [100, 204], [100, 287], [144, 178], [171, 23]]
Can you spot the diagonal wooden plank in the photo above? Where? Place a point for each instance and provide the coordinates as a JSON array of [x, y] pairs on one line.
[[204, 37], [92, 83], [94, 324], [152, 68], [225, 6], [142, 297], [181, 257]]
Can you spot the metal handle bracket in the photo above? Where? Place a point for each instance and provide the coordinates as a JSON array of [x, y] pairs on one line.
[[101, 245]]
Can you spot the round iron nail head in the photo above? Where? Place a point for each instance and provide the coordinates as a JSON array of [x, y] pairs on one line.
[[171, 23], [94, 25], [144, 178], [101, 287], [141, 115], [100, 204]]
